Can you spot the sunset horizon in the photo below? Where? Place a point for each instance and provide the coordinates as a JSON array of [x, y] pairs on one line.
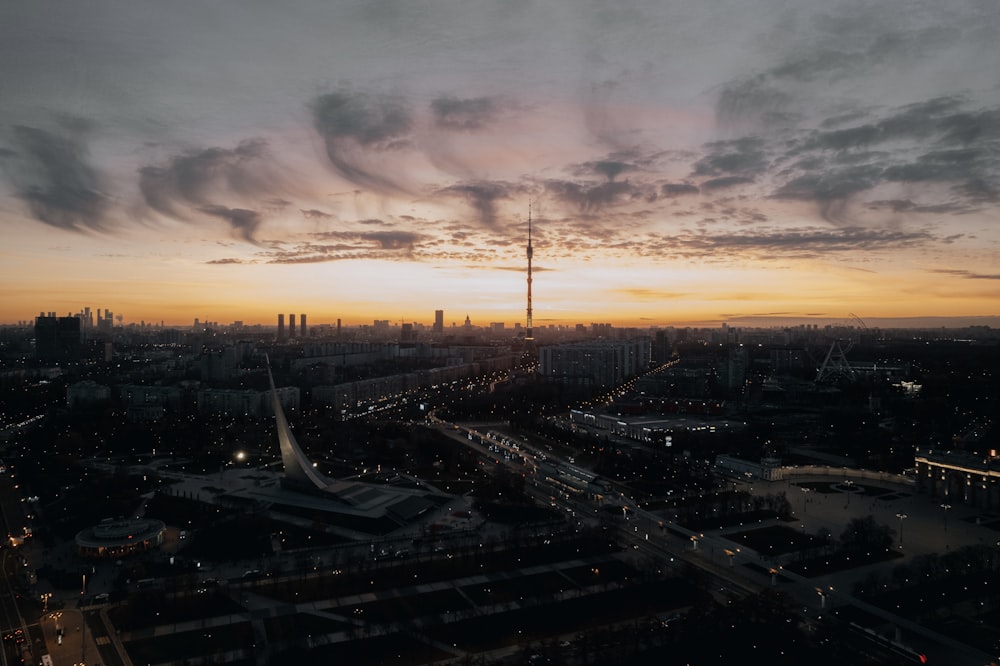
[[682, 165]]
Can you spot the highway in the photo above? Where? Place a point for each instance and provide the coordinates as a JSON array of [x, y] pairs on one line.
[[17, 640], [665, 541]]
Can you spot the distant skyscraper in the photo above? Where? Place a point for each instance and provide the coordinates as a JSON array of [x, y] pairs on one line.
[[439, 321], [281, 327], [302, 326], [291, 326]]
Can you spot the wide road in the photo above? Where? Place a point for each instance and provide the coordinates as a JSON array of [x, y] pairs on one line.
[[720, 558], [17, 640]]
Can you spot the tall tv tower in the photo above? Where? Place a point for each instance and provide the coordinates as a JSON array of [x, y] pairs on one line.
[[529, 336]]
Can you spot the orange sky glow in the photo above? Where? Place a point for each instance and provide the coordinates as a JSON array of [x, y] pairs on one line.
[[683, 165]]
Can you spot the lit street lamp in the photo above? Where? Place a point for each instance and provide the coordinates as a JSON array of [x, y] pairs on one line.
[[59, 627], [849, 484], [946, 507], [901, 517]]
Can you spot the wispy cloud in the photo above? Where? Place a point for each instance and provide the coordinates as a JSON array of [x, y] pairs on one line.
[[52, 173], [358, 126], [208, 181], [465, 114], [969, 275]]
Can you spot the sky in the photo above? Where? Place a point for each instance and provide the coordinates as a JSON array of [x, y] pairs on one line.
[[740, 161]]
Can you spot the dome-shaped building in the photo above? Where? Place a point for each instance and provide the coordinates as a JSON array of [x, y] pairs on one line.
[[120, 537]]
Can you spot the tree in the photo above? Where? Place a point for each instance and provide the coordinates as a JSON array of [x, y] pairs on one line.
[[864, 535]]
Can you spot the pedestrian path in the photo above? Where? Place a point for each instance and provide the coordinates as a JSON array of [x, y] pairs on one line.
[[923, 525], [260, 607]]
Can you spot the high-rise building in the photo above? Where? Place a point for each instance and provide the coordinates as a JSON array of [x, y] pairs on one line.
[[595, 363], [291, 326], [281, 327], [439, 321], [58, 338], [302, 326]]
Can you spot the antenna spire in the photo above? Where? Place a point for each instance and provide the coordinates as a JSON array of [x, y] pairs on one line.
[[529, 333]]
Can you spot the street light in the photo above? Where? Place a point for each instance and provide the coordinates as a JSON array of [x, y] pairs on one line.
[[849, 484], [901, 517], [946, 507], [57, 615]]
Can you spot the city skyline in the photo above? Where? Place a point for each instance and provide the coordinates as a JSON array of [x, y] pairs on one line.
[[753, 163]]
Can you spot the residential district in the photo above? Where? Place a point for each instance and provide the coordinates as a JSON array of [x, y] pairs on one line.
[[464, 494]]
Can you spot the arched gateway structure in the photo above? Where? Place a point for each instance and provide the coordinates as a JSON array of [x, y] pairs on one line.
[[960, 476]]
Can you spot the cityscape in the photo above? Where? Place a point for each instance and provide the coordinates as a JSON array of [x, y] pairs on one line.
[[462, 494], [479, 334]]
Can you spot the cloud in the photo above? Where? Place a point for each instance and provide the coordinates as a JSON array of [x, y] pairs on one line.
[[52, 174], [350, 244], [589, 197], [358, 126], [197, 181], [392, 240], [725, 181], [678, 189], [243, 222], [830, 185], [803, 242], [751, 103], [645, 294], [482, 196], [907, 206], [978, 190], [932, 142], [228, 261], [313, 214], [913, 122], [740, 156], [608, 168], [470, 114], [969, 275]]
